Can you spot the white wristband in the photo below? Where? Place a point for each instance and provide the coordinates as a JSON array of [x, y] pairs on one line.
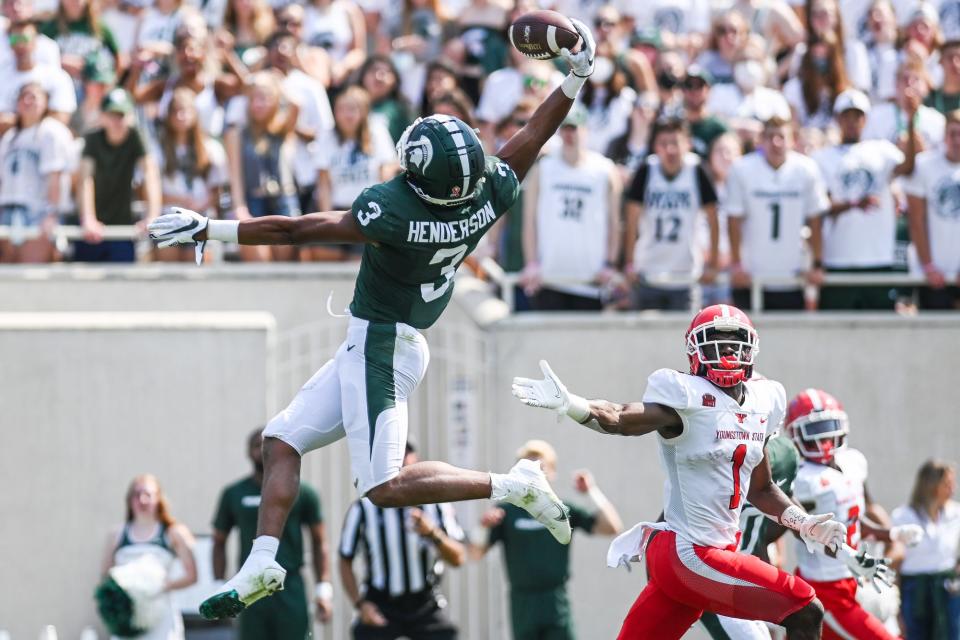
[[324, 591], [225, 231], [579, 408], [792, 517], [571, 85]]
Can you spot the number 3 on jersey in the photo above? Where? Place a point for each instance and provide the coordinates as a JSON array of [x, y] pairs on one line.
[[454, 255]]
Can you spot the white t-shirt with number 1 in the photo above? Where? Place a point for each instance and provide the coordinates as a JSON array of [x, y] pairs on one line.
[[774, 205]]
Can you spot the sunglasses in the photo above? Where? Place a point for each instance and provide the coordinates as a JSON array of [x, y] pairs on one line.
[[19, 38], [519, 122], [726, 30], [693, 85], [534, 83], [605, 24], [290, 22]]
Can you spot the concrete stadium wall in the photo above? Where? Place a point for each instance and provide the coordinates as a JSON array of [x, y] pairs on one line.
[[895, 375], [91, 400]]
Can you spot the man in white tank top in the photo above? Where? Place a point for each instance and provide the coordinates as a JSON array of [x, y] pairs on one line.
[[664, 201], [711, 425], [571, 223], [832, 477]]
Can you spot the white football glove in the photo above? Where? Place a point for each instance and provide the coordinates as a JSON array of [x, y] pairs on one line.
[[867, 568], [179, 228], [908, 534], [548, 393], [822, 530], [581, 63]]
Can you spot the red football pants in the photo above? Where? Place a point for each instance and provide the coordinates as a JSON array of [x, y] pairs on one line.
[[843, 616], [688, 579]]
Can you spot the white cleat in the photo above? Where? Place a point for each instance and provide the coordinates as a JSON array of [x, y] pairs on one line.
[[258, 578], [531, 491]]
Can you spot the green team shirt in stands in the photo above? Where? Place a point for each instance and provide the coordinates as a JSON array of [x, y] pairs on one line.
[[535, 560], [406, 274], [784, 462], [239, 504]]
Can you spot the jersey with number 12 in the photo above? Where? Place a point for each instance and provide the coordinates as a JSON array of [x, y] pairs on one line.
[[708, 466], [406, 273]]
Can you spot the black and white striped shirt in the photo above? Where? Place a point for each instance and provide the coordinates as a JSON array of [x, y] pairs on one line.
[[399, 561]]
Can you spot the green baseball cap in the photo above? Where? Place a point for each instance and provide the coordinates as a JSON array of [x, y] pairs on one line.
[[117, 101], [576, 117]]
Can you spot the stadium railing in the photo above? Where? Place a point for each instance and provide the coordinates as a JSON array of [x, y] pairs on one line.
[[507, 282]]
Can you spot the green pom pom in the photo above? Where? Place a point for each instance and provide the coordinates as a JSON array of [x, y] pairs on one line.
[[116, 609]]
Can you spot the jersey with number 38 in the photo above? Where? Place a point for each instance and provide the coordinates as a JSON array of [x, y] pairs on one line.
[[406, 274], [708, 466]]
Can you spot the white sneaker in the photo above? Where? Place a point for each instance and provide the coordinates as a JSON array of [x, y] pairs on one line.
[[258, 578], [531, 491]]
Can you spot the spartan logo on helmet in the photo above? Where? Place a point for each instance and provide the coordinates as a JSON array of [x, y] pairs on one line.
[[442, 159], [948, 199], [420, 153]]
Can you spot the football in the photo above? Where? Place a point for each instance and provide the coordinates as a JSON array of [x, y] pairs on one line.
[[542, 34]]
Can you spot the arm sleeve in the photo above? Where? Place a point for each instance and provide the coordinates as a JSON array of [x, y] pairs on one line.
[[735, 201], [666, 387], [504, 185], [779, 409], [52, 153], [224, 520], [351, 532], [582, 519], [708, 195], [818, 201], [638, 185], [372, 214], [312, 512], [916, 184]]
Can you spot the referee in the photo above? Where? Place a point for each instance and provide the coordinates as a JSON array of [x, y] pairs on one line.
[[404, 552]]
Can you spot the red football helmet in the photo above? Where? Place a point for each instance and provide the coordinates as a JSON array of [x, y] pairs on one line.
[[724, 362], [817, 424]]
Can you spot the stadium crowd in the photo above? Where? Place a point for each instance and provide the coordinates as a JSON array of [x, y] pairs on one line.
[[776, 140]]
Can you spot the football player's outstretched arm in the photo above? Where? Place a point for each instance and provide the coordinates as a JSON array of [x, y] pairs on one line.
[[522, 149], [603, 416], [182, 226]]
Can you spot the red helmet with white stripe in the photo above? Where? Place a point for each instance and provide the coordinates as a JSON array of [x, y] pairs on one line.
[[721, 345], [817, 424]]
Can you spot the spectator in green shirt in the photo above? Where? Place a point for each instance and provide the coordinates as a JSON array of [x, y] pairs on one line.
[[285, 615], [946, 98], [704, 128], [538, 567]]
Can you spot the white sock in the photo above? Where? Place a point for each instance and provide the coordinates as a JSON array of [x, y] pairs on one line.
[[500, 485], [265, 546]]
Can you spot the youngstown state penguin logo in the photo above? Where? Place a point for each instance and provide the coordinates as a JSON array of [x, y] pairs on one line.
[[948, 199], [420, 153]]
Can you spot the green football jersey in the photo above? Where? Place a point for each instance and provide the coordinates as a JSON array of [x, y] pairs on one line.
[[406, 274], [784, 462]]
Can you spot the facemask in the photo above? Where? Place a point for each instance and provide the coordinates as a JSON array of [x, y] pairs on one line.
[[821, 64], [748, 75], [667, 80], [602, 70]]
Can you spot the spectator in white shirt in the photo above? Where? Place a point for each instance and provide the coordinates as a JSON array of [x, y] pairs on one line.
[[930, 571], [771, 194], [859, 229], [47, 52], [888, 122], [933, 203], [609, 101], [748, 102], [62, 99], [882, 53], [819, 80]]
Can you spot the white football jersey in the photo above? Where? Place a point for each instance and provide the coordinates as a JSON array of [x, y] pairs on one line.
[[775, 205], [572, 216], [708, 466], [938, 180], [859, 238], [839, 492], [667, 238]]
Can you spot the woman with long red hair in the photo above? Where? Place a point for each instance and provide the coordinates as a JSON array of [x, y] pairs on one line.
[[150, 530]]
